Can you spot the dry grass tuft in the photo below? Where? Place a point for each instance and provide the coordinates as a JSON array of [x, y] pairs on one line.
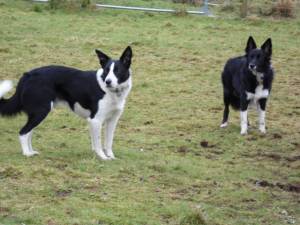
[[195, 218], [284, 8], [69, 4], [191, 2]]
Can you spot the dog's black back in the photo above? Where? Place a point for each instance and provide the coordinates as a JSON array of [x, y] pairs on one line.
[[68, 84], [39, 87]]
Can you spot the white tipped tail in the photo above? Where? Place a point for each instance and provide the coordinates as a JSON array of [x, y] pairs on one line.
[[5, 87]]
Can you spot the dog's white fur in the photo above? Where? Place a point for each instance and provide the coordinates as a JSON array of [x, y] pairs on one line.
[[5, 87], [254, 97], [244, 122], [26, 145], [110, 108]]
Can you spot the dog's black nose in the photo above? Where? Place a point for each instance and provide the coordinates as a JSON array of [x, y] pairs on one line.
[[108, 82], [252, 66]]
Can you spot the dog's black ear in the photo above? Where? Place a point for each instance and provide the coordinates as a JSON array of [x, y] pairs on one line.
[[103, 59], [250, 45], [267, 47], [126, 57]]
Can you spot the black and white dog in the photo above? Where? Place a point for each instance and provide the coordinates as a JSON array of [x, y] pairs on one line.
[[248, 79], [98, 96]]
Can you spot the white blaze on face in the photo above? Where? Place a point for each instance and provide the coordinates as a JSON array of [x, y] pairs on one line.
[[111, 76]]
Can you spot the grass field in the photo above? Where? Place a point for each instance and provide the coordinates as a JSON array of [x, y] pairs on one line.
[[175, 165]]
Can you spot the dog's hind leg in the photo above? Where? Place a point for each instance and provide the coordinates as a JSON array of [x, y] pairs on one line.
[[25, 144], [226, 110], [34, 119]]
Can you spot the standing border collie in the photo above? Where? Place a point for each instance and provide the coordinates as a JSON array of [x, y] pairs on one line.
[[98, 96], [248, 79]]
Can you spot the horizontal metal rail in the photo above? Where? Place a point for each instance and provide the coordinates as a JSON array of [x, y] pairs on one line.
[[146, 9], [213, 4], [203, 11]]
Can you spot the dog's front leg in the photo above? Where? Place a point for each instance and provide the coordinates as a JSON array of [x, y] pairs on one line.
[[91, 128], [244, 115], [262, 114], [110, 128], [95, 131]]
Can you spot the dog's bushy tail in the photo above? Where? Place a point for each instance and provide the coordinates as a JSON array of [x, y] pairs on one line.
[[11, 106]]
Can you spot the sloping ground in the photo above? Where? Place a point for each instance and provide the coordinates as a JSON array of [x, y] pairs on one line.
[[175, 166]]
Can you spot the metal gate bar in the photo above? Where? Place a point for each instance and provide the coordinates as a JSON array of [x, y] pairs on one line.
[[146, 9], [203, 11]]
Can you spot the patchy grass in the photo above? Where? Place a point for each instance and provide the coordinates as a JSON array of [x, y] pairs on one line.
[[174, 163]]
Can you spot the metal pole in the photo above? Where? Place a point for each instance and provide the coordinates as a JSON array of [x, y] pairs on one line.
[[145, 9], [244, 8], [205, 9]]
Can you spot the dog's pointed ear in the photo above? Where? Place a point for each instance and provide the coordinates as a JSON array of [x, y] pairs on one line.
[[267, 47], [103, 59], [250, 45], [126, 57]]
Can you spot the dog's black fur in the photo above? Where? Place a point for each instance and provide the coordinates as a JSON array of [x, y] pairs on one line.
[[39, 87], [243, 74]]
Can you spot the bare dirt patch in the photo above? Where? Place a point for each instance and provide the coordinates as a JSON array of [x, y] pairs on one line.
[[286, 187], [205, 144], [10, 172], [63, 193]]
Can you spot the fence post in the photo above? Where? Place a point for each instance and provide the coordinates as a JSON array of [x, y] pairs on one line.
[[205, 9], [244, 9]]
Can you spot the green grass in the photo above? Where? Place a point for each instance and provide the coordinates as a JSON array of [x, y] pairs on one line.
[[163, 175]]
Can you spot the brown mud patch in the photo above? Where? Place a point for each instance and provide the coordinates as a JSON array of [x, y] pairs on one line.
[[286, 187]]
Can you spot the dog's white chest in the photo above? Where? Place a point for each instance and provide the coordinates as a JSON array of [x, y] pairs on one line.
[[108, 106], [258, 94]]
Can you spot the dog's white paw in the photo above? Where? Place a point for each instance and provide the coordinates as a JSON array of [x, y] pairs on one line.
[[244, 132], [111, 157], [101, 155], [262, 130], [109, 154], [223, 125], [31, 153]]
